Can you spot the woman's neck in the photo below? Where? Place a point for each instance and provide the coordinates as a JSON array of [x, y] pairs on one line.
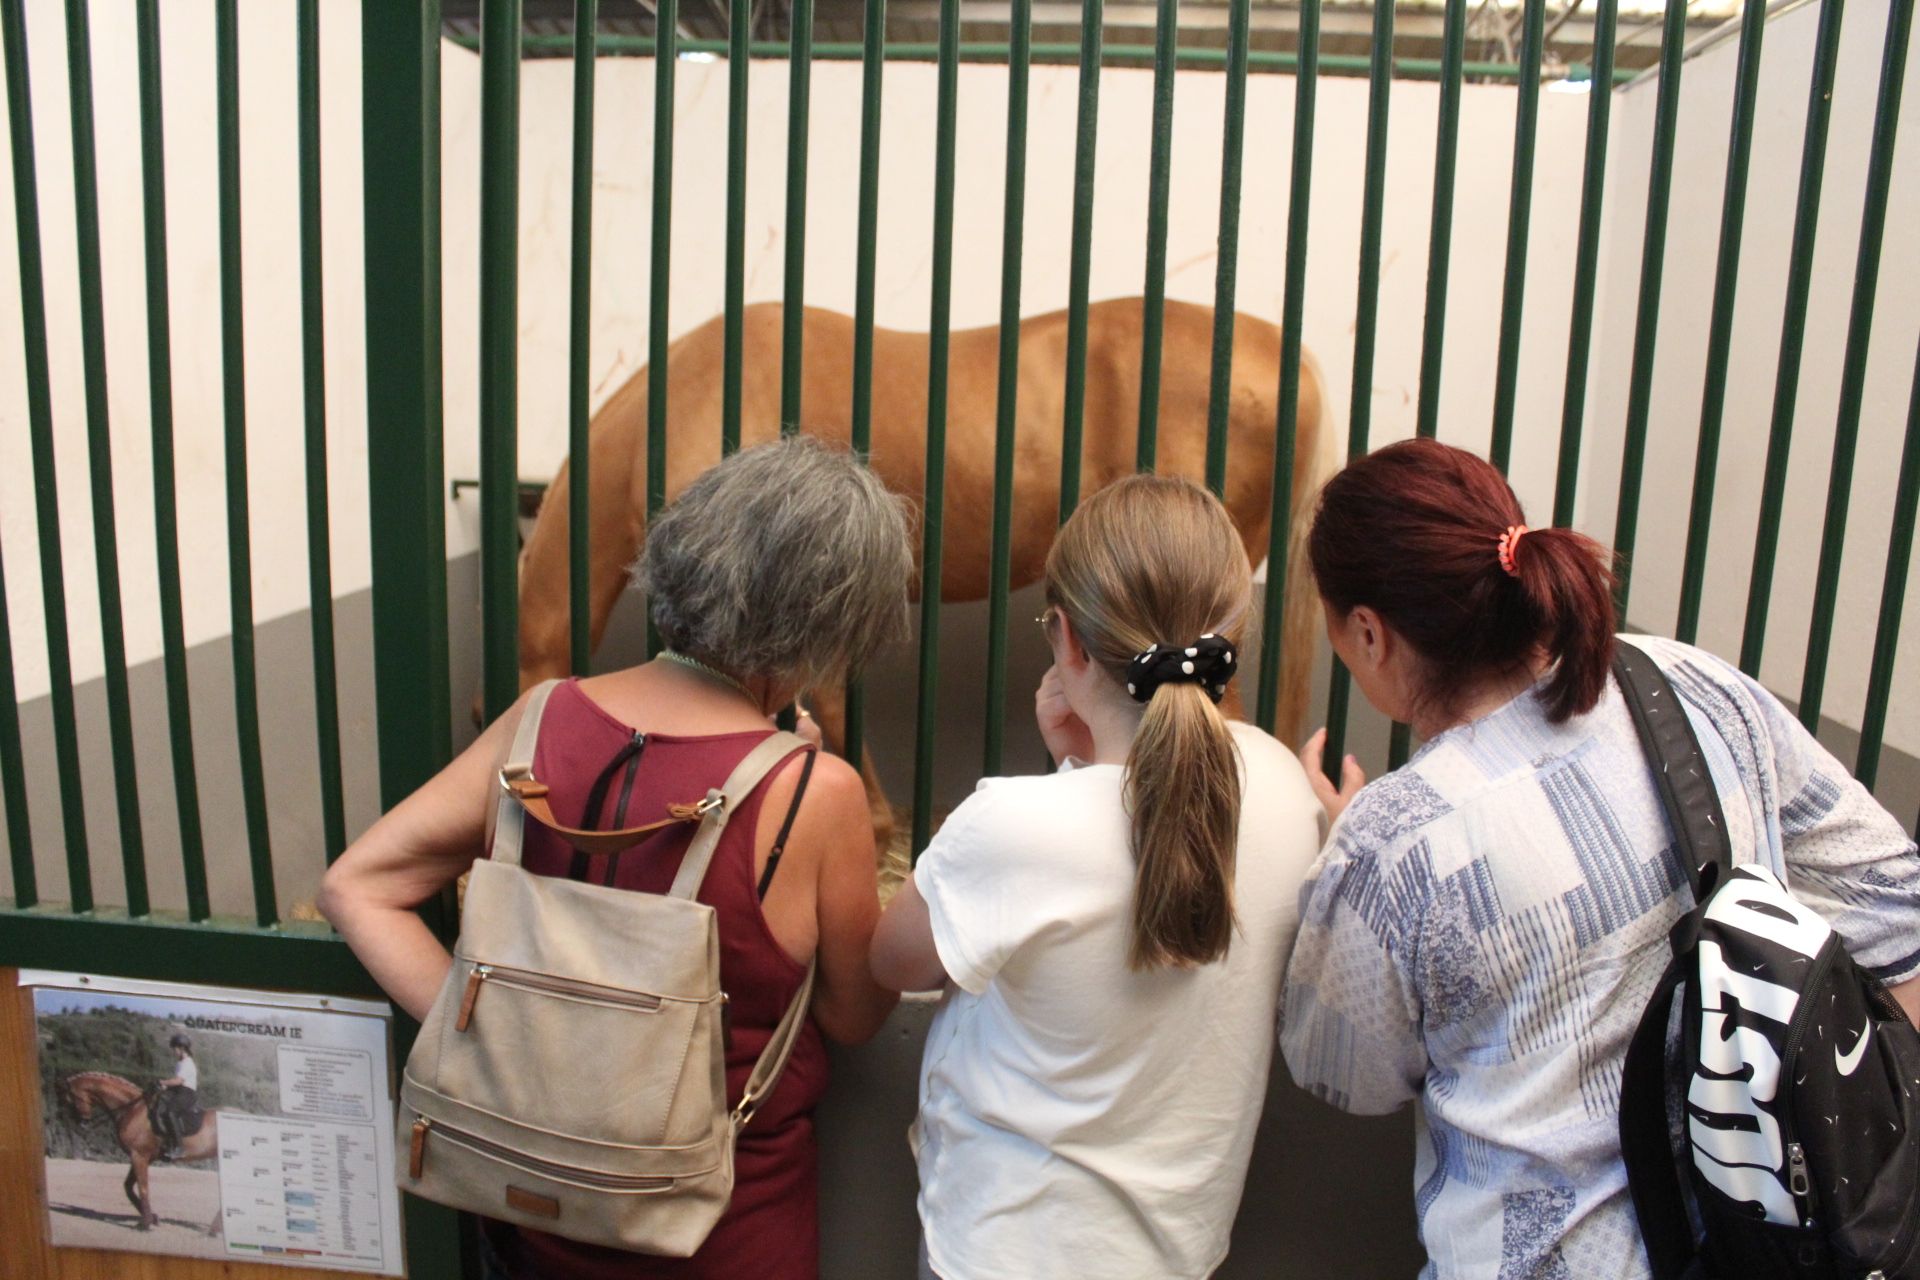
[[1113, 724], [1483, 699]]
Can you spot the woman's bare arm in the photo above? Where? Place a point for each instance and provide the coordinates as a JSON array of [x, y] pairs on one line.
[[424, 844], [904, 956], [836, 829]]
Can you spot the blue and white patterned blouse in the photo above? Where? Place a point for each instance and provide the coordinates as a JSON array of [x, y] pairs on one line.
[[1486, 926]]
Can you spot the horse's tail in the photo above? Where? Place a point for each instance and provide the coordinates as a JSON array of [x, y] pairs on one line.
[[1319, 441]]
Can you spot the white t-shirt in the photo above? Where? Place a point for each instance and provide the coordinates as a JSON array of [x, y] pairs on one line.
[[189, 1073], [1078, 1118]]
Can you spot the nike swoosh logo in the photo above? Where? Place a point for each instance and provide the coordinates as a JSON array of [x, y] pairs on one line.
[[1849, 1062]]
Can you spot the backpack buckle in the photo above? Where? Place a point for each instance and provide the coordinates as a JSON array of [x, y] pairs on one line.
[[712, 804]]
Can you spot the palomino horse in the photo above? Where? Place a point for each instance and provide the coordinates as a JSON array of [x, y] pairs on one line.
[[125, 1103], [618, 438]]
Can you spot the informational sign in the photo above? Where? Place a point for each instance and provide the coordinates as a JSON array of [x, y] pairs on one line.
[[214, 1122]]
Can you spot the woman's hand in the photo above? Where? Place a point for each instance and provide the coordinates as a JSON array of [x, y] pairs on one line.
[[1064, 732], [1352, 777]]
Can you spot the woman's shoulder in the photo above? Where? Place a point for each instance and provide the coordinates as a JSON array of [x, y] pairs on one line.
[[1017, 812]]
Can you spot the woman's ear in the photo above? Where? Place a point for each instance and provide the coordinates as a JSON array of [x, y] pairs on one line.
[[1369, 637], [1068, 653]]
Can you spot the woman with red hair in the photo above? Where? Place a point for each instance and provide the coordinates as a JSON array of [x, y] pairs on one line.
[[1487, 923]]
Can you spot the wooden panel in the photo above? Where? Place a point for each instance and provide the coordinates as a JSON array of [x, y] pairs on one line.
[[27, 1255]]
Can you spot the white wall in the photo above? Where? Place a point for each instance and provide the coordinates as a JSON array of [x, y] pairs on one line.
[[622, 218], [276, 477], [1679, 370], [623, 202]]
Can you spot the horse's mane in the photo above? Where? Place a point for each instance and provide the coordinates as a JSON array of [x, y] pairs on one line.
[[102, 1075]]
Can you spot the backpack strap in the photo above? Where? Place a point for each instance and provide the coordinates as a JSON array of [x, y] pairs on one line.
[[1645, 1145], [719, 803], [722, 801], [1692, 806], [508, 822], [1681, 775], [773, 1058]]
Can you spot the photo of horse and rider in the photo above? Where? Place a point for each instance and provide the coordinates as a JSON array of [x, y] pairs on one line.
[[132, 1093]]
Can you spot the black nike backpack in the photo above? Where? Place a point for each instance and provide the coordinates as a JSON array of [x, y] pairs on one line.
[[1797, 1078]]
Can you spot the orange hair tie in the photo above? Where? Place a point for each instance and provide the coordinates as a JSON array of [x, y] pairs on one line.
[[1509, 543]]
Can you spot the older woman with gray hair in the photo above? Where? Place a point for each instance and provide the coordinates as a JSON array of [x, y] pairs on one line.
[[785, 566]]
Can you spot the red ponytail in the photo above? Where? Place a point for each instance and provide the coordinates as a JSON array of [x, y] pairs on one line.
[[1413, 532]]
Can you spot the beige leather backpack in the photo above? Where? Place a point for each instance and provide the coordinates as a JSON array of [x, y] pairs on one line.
[[571, 1076]]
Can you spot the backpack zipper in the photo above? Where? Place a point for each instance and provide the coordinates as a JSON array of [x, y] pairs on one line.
[[481, 974], [1799, 1180], [550, 1169]]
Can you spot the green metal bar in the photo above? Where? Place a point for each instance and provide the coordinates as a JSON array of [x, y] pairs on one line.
[[866, 236], [1366, 321], [1526, 117], [400, 130], [1292, 308], [1893, 590], [1586, 274], [233, 360], [499, 352], [1050, 53], [1713, 400], [1786, 387], [794, 297], [586, 18], [1080, 257], [1853, 378], [186, 791], [1440, 241], [1166, 32], [33, 329], [1232, 130], [739, 33], [303, 956], [13, 782], [93, 361], [326, 698], [1006, 407], [660, 271], [1647, 321], [934, 502]]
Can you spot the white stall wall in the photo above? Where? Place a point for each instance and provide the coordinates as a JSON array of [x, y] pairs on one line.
[[1679, 370], [271, 281], [622, 227], [623, 207]]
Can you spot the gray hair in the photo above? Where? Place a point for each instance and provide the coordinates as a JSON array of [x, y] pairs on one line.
[[789, 561]]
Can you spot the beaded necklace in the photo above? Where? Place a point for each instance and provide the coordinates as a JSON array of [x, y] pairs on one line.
[[696, 665]]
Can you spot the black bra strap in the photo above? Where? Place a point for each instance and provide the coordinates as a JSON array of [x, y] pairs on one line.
[[786, 828]]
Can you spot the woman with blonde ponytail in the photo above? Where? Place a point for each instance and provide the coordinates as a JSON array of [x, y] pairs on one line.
[[1112, 936]]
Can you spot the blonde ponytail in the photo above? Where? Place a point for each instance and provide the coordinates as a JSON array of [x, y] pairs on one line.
[[1154, 561], [1183, 797]]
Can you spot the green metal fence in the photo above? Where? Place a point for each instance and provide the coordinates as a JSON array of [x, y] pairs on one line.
[[400, 141]]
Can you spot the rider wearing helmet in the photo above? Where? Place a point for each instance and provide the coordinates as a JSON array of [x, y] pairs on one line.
[[179, 1097]]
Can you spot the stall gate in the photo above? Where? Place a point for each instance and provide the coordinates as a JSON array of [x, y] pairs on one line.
[[63, 927]]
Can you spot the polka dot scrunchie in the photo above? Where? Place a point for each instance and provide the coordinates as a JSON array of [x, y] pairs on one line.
[[1208, 662]]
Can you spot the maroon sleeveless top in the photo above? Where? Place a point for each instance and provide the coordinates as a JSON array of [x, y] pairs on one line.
[[771, 1230]]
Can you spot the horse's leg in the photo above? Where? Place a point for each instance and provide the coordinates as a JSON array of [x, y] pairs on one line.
[[140, 1192], [829, 707], [1316, 457], [615, 510]]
